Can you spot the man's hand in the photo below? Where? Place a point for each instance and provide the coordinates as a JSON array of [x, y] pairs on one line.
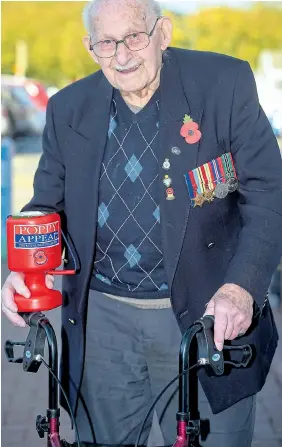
[[15, 284], [232, 308]]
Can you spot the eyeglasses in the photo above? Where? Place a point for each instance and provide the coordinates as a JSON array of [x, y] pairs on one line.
[[134, 42]]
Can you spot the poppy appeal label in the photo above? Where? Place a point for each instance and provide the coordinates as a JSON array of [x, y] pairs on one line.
[[36, 236]]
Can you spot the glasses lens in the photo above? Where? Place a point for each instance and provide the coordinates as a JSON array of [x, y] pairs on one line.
[[105, 48], [137, 41]]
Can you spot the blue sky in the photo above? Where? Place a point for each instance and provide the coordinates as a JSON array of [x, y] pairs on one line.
[[187, 6]]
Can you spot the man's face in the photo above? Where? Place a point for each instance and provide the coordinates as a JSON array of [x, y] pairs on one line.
[[128, 70]]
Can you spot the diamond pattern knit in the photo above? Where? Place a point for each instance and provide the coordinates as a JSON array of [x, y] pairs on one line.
[[129, 260]]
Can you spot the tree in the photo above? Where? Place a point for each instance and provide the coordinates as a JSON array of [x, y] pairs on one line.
[[53, 32]]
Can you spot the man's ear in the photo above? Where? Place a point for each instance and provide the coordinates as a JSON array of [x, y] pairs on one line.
[[166, 32], [87, 43]]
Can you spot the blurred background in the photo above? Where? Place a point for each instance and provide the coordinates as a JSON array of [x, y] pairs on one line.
[[42, 52]]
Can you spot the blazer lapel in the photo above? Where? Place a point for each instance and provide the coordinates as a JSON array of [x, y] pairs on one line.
[[87, 135], [92, 119], [182, 157]]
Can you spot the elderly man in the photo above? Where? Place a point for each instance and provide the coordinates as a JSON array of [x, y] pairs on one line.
[[169, 177]]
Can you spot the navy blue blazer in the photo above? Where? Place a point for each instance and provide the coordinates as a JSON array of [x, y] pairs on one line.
[[237, 239]]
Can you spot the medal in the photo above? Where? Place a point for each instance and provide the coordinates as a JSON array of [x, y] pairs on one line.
[[167, 181], [166, 164], [215, 178], [170, 194], [199, 200], [209, 195], [232, 184], [221, 190]]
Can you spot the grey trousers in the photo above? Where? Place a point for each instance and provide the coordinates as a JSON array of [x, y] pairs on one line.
[[131, 354]]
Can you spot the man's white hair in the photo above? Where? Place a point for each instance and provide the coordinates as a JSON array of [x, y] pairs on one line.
[[151, 9]]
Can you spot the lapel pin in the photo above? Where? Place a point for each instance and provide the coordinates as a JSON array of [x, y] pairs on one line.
[[176, 151], [166, 164], [170, 194], [167, 180], [190, 130]]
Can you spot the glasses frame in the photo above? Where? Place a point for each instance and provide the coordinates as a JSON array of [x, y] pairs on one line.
[[117, 42]]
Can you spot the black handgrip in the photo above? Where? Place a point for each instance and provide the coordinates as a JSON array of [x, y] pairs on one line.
[[9, 351], [215, 357]]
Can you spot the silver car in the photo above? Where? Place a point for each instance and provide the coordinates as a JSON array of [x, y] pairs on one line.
[[25, 117]]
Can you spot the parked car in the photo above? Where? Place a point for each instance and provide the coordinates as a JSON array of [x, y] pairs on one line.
[[25, 116], [36, 89], [38, 92], [270, 96], [6, 121], [51, 90], [276, 122]]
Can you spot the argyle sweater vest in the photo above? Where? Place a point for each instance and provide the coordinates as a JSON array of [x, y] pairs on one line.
[[128, 257]]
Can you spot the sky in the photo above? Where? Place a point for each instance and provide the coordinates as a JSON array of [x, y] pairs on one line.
[[187, 6]]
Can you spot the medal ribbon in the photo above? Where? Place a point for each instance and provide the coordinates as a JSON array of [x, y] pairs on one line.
[[221, 169], [209, 176]]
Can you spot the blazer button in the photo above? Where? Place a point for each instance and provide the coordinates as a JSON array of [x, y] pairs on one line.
[[72, 321], [211, 244]]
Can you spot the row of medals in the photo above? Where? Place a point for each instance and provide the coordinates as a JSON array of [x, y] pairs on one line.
[[220, 191]]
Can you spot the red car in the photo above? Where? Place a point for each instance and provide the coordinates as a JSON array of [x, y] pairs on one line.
[[35, 89], [37, 92]]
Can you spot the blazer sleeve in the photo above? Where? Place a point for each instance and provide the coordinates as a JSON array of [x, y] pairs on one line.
[[49, 184], [258, 165]]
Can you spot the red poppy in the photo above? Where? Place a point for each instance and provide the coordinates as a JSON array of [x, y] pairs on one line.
[[190, 130], [40, 257]]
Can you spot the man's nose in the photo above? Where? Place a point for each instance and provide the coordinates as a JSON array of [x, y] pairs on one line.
[[122, 54]]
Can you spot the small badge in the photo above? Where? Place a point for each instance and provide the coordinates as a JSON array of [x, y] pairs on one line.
[[167, 181], [166, 164], [170, 194], [175, 150], [221, 190]]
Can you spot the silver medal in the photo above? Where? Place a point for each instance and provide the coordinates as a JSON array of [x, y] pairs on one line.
[[232, 184], [221, 190]]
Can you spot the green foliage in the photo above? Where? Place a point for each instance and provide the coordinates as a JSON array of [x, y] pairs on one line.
[[241, 33], [54, 31]]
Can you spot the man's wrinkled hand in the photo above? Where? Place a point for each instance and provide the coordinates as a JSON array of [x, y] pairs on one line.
[[232, 308]]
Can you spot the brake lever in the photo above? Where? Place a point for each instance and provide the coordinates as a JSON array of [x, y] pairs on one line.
[[33, 346], [9, 351], [246, 353]]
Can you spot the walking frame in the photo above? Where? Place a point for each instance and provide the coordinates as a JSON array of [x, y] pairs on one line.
[[197, 349]]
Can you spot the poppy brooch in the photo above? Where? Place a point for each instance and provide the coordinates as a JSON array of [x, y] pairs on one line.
[[190, 130]]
